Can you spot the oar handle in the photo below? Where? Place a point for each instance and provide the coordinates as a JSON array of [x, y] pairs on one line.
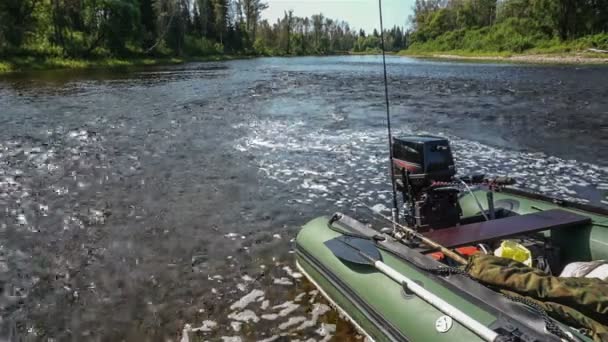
[[467, 321]]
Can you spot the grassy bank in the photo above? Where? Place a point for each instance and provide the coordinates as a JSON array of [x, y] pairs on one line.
[[512, 39], [533, 57], [16, 64]]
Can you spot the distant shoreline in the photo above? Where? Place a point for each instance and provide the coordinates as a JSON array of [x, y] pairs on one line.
[[28, 64], [572, 58], [16, 64]]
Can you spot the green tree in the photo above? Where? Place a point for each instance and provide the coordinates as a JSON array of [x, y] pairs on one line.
[[317, 27], [288, 23], [17, 20], [116, 22], [148, 22], [220, 16], [252, 9], [88, 28]]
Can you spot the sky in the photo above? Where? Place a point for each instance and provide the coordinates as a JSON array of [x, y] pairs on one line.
[[360, 14]]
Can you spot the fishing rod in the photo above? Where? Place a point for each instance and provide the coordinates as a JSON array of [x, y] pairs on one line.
[[411, 232], [395, 211]]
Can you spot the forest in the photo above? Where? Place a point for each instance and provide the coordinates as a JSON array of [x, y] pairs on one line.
[[172, 28], [72, 33], [509, 25]]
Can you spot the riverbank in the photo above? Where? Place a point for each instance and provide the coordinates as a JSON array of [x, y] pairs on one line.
[[21, 64], [531, 58], [17, 64]]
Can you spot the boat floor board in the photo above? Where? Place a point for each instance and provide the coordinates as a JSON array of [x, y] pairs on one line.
[[510, 226]]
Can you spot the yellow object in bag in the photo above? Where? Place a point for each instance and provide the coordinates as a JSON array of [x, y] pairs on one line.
[[510, 249]]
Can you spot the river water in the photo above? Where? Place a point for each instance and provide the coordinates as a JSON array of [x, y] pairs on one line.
[[161, 204]]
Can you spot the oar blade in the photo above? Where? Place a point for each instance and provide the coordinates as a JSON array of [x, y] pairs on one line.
[[354, 250]]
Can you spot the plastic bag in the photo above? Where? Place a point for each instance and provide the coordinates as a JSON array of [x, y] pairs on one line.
[[512, 250]]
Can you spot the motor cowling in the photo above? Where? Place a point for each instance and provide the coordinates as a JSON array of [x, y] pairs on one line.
[[423, 167], [427, 159]]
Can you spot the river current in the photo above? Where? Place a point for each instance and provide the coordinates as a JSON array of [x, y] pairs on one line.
[[162, 204]]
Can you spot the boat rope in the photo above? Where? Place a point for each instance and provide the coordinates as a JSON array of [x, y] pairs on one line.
[[443, 271], [550, 325], [395, 211]]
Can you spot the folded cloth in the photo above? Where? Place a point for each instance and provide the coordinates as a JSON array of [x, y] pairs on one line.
[[591, 269]]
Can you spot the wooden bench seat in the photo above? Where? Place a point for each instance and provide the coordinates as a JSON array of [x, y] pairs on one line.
[[474, 233]]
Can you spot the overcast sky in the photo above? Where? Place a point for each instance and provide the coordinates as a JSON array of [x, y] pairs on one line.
[[358, 13]]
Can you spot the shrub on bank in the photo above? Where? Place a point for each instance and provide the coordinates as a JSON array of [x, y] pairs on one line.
[[195, 46], [513, 35]]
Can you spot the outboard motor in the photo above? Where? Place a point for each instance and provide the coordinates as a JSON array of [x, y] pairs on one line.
[[424, 169]]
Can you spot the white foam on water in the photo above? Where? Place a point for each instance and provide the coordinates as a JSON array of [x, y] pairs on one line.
[[44, 209], [244, 316], [291, 273], [291, 322], [286, 308], [282, 281], [21, 219], [313, 295], [317, 161], [236, 326], [231, 339], [247, 299], [326, 331], [185, 333], [50, 169], [318, 310], [206, 327], [270, 317], [231, 235], [299, 297], [380, 208]]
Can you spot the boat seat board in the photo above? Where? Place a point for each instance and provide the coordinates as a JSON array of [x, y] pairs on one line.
[[510, 226]]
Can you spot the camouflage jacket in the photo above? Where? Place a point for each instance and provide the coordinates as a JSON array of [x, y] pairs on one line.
[[578, 302]]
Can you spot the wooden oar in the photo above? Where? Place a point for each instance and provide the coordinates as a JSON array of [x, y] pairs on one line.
[[364, 252]]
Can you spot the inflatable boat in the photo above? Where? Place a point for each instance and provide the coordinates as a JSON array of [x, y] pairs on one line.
[[410, 279]]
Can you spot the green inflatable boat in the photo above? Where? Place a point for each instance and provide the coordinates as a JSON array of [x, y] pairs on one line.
[[404, 282]]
